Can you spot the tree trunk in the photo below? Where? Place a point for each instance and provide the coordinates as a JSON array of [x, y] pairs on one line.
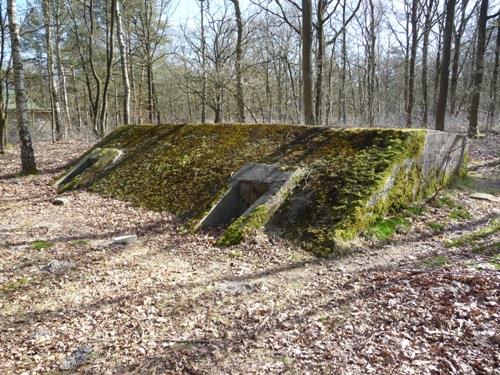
[[307, 64], [320, 56], [60, 71], [494, 79], [54, 92], [123, 56], [109, 65], [445, 65], [425, 49], [203, 65], [456, 58], [27, 154], [239, 59], [413, 56], [478, 69], [3, 131], [371, 67]]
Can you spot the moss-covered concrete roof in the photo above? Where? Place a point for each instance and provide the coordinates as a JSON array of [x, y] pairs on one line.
[[184, 169]]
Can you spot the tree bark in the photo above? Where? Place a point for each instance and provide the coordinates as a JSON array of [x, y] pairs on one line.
[[109, 65], [203, 65], [240, 100], [54, 92], [60, 71], [28, 162], [494, 79], [307, 64], [320, 57], [425, 49], [124, 65], [413, 56], [445, 68], [478, 69]]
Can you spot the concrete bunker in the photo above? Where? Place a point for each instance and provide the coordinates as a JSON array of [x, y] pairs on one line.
[[316, 186]]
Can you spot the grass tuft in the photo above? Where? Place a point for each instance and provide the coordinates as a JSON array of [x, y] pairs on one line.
[[436, 261], [472, 237], [41, 245]]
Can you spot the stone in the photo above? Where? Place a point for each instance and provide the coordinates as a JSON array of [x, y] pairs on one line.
[[237, 287], [485, 197], [77, 358], [60, 201], [58, 266], [125, 240]]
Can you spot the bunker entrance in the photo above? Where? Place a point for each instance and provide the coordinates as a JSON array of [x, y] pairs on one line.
[[236, 201], [251, 186]]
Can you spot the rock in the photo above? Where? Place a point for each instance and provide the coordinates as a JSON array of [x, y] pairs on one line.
[[77, 358], [60, 201], [125, 240], [58, 266], [236, 287], [485, 196]]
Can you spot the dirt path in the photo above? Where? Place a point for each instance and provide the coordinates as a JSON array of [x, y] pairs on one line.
[[170, 303]]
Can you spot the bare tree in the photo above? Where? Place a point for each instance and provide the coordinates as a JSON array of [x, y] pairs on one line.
[[124, 64], [444, 66], [28, 162], [54, 90], [239, 59], [494, 79], [5, 68], [307, 63], [413, 56], [478, 68]]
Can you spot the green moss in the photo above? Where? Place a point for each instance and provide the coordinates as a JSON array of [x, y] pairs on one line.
[[14, 285], [491, 248], [445, 200], [416, 210], [385, 228], [41, 245], [459, 213], [472, 237], [496, 262], [436, 227], [244, 226], [436, 261]]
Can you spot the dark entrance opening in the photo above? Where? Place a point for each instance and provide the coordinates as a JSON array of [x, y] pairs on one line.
[[236, 201]]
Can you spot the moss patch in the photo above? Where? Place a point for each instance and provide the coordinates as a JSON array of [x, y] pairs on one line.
[[244, 226], [436, 261], [385, 228], [436, 227], [472, 237], [14, 285], [41, 245]]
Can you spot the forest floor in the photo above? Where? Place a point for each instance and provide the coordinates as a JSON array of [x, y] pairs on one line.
[[423, 301]]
